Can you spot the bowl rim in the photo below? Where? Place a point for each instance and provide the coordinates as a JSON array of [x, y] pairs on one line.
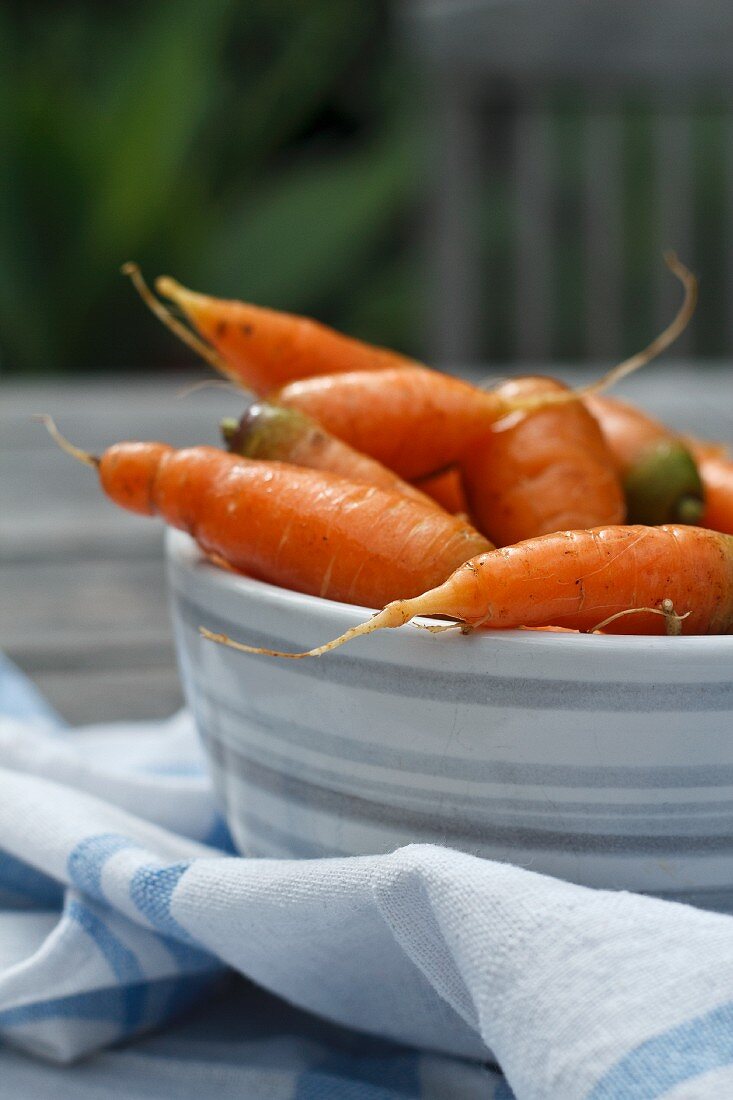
[[185, 552]]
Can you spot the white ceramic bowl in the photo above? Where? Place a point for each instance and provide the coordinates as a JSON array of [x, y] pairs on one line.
[[602, 760]]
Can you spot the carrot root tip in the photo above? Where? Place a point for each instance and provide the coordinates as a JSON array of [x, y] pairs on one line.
[[65, 444], [394, 615], [435, 628], [164, 314], [672, 621]]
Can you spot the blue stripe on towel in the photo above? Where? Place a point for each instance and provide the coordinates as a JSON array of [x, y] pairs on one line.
[[151, 889], [121, 959], [86, 861], [104, 1004], [350, 1077], [695, 1047]]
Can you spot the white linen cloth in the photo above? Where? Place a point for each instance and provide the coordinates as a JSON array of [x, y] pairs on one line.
[[121, 905]]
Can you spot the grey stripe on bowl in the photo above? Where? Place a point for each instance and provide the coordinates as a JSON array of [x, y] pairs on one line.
[[274, 842], [285, 844], [290, 789], [716, 816], [665, 776], [500, 691]]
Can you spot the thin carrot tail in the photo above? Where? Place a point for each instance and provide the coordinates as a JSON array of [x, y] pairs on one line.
[[394, 615], [178, 293], [660, 343], [672, 621], [165, 285], [65, 445]]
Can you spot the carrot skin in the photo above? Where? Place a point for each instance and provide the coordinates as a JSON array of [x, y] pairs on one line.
[[413, 420], [267, 348], [578, 578], [716, 471], [307, 530], [547, 470], [275, 433], [446, 488]]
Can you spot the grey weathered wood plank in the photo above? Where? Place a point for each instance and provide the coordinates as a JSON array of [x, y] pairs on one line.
[[58, 606], [85, 695], [96, 413]]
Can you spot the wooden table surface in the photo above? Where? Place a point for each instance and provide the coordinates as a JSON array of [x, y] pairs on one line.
[[82, 585]]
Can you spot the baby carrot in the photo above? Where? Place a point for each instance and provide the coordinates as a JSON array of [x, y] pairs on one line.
[[632, 579], [660, 477], [265, 348], [307, 530], [543, 471], [272, 432]]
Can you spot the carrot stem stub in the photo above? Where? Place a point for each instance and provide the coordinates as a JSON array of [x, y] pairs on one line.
[[578, 579]]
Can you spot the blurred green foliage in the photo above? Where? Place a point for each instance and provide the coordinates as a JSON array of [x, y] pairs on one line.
[[260, 149]]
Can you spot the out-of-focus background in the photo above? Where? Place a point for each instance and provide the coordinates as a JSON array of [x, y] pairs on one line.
[[485, 180], [486, 184]]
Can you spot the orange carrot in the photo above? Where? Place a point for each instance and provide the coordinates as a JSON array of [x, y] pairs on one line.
[[548, 470], [272, 432], [447, 489], [413, 420], [307, 530], [637, 576], [716, 471], [659, 473], [265, 348]]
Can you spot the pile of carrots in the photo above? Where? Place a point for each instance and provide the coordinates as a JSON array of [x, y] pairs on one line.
[[358, 475]]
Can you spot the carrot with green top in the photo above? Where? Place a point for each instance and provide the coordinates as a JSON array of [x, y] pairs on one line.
[[660, 476], [278, 434], [623, 579], [549, 470], [302, 529]]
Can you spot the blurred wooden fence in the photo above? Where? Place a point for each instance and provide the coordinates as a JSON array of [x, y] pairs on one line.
[[571, 143]]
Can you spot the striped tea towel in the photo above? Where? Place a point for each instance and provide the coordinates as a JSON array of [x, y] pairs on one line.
[[122, 904]]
